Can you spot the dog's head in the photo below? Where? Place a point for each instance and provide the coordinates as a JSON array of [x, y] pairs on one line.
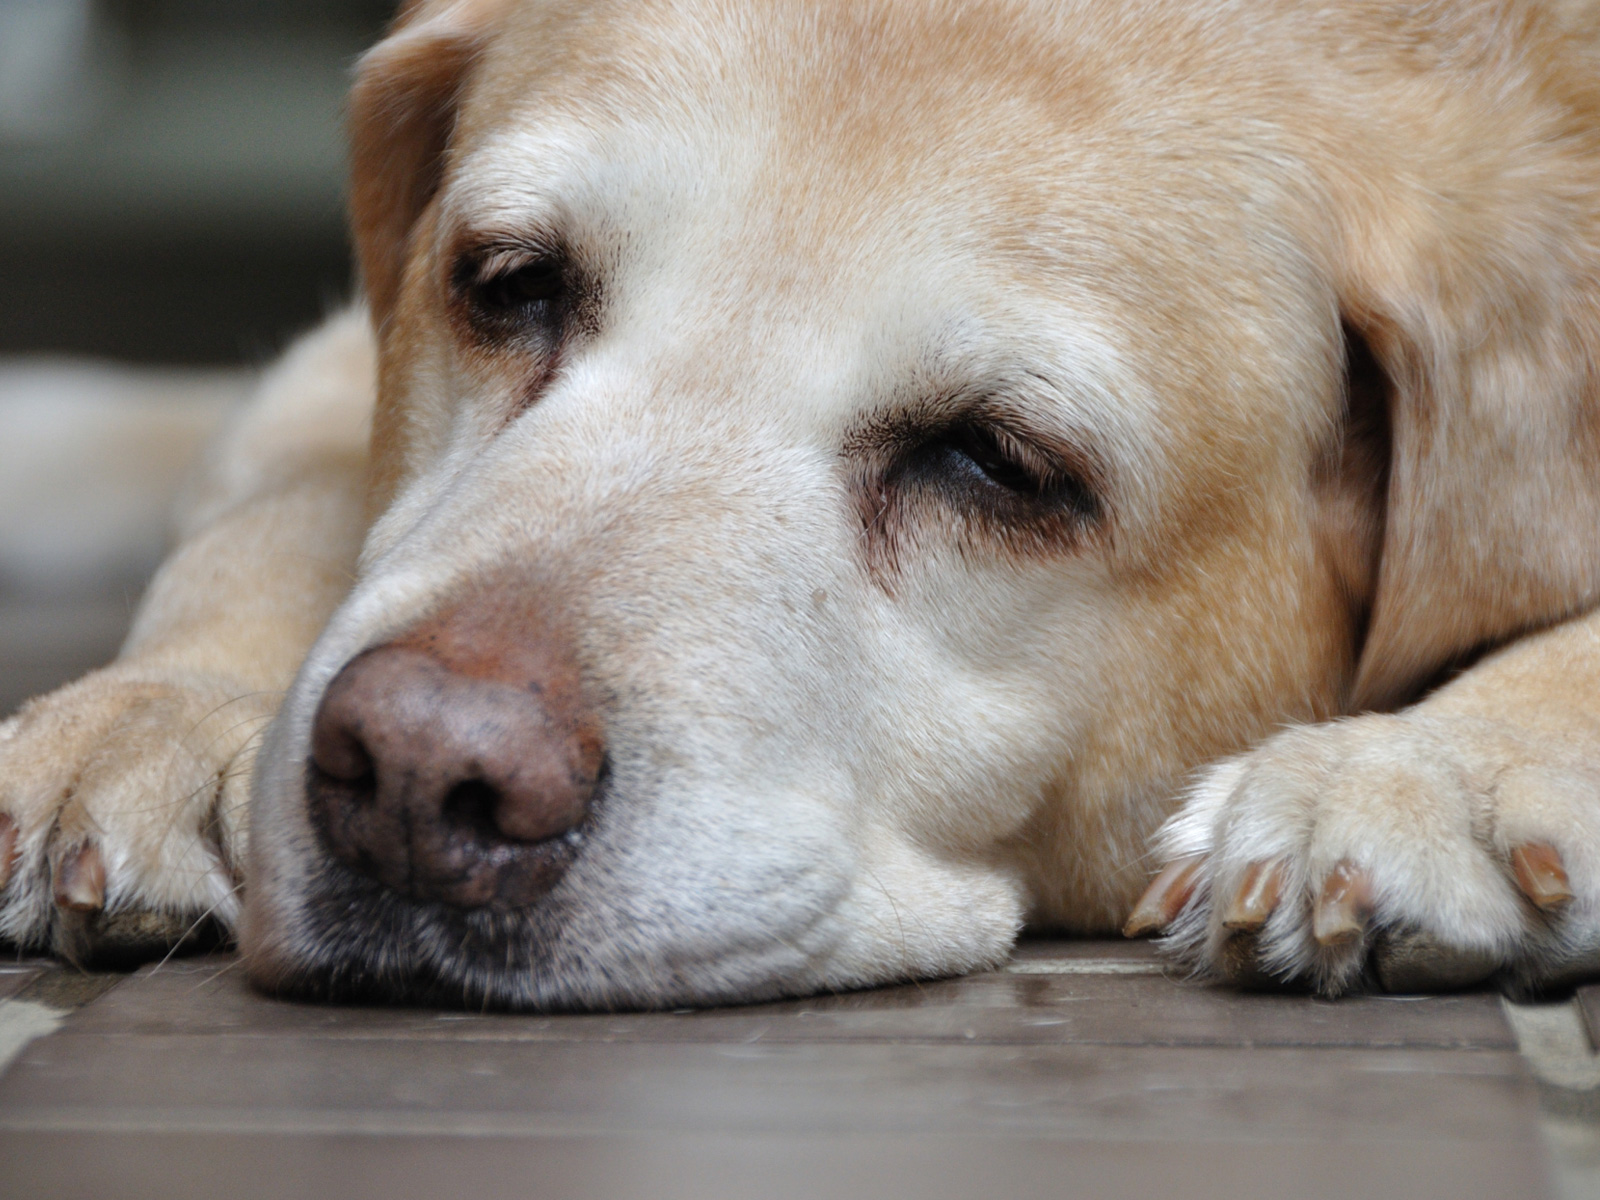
[[841, 465]]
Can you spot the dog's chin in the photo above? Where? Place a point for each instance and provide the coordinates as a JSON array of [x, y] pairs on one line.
[[362, 944]]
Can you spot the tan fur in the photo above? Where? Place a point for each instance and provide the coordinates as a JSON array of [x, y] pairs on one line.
[[1143, 229]]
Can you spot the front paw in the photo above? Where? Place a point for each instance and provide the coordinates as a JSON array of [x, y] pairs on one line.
[[121, 809], [1406, 852]]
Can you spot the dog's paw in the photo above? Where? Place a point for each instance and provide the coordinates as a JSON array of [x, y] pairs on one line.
[[122, 801], [1408, 852]]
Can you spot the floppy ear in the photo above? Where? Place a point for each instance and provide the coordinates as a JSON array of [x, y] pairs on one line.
[[1470, 265], [402, 113]]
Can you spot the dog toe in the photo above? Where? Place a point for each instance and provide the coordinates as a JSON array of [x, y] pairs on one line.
[[1411, 855], [1540, 874], [79, 879], [1167, 896], [1412, 961], [9, 851], [121, 810]]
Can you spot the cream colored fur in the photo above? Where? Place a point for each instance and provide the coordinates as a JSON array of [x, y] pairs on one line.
[[848, 749]]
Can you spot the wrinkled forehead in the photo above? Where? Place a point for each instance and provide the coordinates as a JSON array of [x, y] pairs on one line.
[[829, 136]]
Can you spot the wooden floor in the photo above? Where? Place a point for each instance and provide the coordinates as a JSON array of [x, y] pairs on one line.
[[1079, 1070]]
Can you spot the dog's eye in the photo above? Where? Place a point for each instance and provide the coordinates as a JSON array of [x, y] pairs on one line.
[[999, 464], [525, 291], [535, 284], [989, 457], [506, 294]]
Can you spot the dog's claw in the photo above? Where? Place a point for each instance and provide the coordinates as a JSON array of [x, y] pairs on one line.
[[1256, 897], [1344, 906], [1165, 898], [1541, 876], [8, 849], [80, 880]]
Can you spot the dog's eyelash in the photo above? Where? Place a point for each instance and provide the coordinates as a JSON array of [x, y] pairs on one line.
[[977, 480], [992, 456], [494, 262]]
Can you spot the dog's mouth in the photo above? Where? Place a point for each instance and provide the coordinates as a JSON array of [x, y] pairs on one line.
[[372, 945]]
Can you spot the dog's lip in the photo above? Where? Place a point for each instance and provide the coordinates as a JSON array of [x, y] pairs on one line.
[[360, 942], [380, 948]]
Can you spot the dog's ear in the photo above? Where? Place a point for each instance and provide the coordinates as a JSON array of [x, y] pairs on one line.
[[402, 112], [1470, 268]]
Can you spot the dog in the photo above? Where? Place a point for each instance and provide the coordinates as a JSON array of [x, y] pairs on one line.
[[813, 488]]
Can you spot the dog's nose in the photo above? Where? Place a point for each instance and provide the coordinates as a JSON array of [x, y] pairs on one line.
[[461, 782]]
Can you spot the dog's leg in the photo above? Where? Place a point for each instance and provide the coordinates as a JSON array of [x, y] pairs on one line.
[[122, 796], [1437, 846]]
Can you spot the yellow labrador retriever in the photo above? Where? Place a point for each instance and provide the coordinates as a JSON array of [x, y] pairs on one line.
[[844, 473]]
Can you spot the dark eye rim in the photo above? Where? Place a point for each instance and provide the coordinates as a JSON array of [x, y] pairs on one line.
[[506, 290], [528, 286], [993, 462], [919, 481]]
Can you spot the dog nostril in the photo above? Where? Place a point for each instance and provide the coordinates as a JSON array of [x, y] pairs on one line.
[[470, 807], [338, 751]]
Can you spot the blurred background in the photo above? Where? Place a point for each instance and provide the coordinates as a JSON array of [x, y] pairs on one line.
[[171, 172], [171, 213]]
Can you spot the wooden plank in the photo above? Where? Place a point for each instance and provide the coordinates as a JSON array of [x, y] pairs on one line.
[[59, 985], [288, 1084], [712, 1166], [1030, 949], [15, 976], [1081, 1070], [1034, 1005]]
